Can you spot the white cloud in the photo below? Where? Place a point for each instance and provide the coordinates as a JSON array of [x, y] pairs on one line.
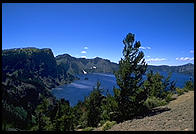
[[83, 52], [184, 58], [83, 57], [142, 47], [145, 47], [156, 59], [148, 47], [85, 47], [191, 51], [148, 56]]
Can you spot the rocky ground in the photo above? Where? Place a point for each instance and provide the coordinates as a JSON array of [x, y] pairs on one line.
[[178, 115]]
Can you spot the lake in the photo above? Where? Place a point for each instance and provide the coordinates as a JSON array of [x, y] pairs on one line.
[[78, 89]]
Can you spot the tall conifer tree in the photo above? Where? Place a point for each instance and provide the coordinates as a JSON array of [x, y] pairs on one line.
[[129, 78]]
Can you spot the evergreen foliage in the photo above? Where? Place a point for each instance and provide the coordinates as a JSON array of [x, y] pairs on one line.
[[189, 85], [129, 79], [154, 84], [88, 129], [94, 106], [160, 89], [109, 109], [153, 101], [64, 116], [179, 91], [42, 119], [80, 112], [108, 125]]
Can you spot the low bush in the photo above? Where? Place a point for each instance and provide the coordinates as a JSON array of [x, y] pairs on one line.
[[185, 89], [169, 98], [152, 102], [108, 125], [88, 129], [179, 91], [189, 86]]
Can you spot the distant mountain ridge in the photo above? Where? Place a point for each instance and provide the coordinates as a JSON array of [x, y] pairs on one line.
[[185, 69], [77, 65]]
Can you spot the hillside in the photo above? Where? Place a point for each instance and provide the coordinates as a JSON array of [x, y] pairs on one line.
[[33, 63], [28, 75], [77, 65], [178, 115], [185, 69], [98, 65]]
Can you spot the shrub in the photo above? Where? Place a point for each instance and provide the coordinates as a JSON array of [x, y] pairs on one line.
[[185, 89], [108, 125], [5, 126], [169, 98], [152, 102], [88, 129], [179, 91], [189, 85], [34, 128]]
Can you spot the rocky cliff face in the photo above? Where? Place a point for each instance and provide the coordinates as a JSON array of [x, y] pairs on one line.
[[28, 74], [31, 64], [77, 65]]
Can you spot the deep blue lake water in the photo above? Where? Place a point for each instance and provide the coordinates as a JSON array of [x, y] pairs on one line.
[[78, 89]]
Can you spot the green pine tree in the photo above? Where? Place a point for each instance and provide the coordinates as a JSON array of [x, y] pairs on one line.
[[189, 85], [94, 106], [64, 117], [42, 119], [129, 78], [109, 109]]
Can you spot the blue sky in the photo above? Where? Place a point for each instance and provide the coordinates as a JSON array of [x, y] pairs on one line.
[[165, 30]]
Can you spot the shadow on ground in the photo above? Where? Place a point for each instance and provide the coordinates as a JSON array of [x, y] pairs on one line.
[[154, 111]]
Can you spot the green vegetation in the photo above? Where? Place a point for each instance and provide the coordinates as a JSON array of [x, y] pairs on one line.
[[94, 107], [57, 117], [110, 109], [153, 101], [189, 85], [129, 79], [160, 89], [88, 129], [108, 125], [179, 91]]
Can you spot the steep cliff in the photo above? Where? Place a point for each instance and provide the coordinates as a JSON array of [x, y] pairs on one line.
[[28, 74], [77, 65]]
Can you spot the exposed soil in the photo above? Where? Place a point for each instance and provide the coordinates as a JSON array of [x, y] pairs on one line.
[[178, 115]]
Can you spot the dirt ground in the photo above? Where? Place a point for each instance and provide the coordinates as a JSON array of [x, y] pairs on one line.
[[177, 116]]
